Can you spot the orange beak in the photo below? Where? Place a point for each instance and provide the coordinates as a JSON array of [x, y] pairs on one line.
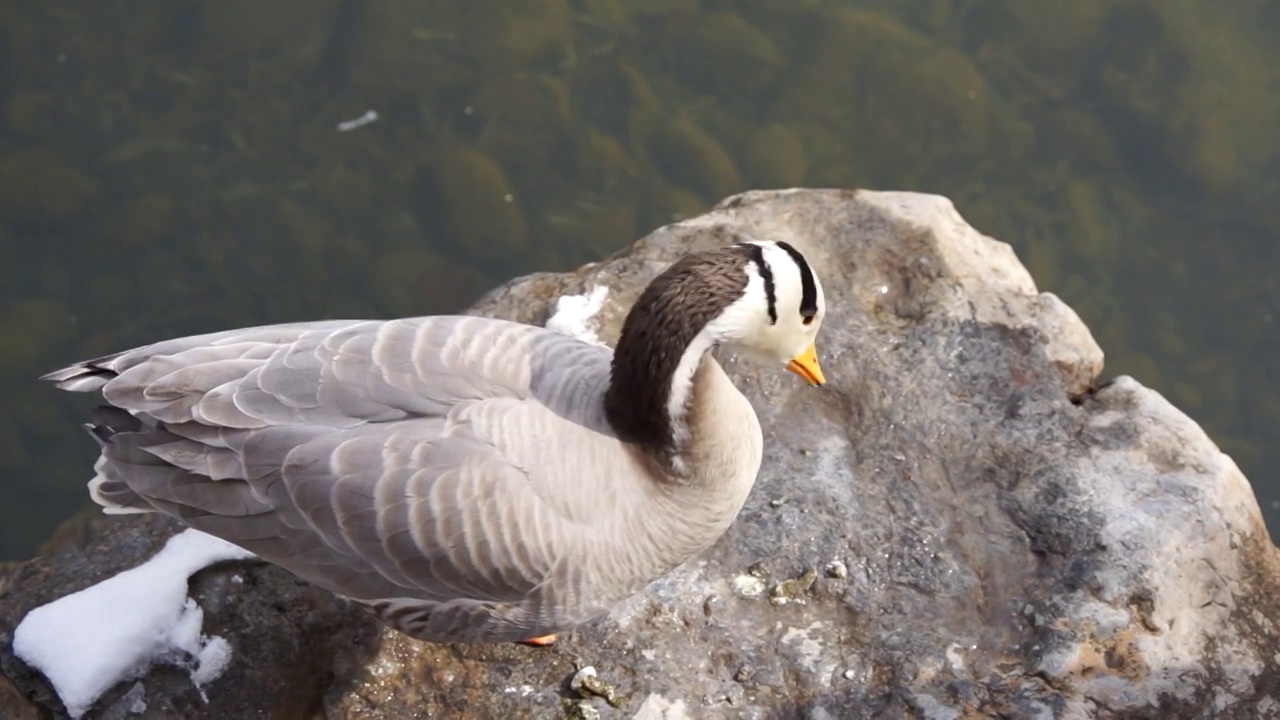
[[806, 366]]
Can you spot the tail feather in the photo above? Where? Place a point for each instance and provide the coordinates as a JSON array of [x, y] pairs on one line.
[[84, 376], [108, 488], [115, 497], [116, 420]]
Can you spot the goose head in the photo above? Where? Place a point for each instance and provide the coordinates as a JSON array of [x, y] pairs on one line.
[[779, 312], [760, 298]]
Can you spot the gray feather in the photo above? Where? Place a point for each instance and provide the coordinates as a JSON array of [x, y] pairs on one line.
[[455, 474]]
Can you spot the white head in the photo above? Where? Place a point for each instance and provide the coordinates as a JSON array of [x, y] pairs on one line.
[[778, 315], [761, 298]]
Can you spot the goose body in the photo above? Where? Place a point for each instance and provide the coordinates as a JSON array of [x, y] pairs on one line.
[[465, 479]]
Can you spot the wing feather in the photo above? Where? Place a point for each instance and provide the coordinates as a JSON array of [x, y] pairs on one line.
[[404, 458]]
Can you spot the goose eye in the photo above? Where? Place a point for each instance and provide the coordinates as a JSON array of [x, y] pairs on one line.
[[808, 319]]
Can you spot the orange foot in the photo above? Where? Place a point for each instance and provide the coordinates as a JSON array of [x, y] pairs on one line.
[[540, 641]]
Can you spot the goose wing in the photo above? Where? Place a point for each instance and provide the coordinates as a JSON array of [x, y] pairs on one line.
[[439, 458]]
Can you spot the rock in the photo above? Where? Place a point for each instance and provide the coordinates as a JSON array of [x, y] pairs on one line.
[[16, 707], [774, 157], [32, 113], [293, 35], [689, 156], [601, 161], [482, 212], [38, 186], [497, 31], [406, 277], [522, 113], [668, 203], [590, 225], [286, 635], [1018, 539], [910, 97], [721, 53]]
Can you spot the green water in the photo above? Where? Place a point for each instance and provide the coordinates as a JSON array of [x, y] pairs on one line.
[[170, 167]]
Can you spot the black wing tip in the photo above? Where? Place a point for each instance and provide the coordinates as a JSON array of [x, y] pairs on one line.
[[66, 373], [109, 421], [101, 434], [81, 377], [95, 369]]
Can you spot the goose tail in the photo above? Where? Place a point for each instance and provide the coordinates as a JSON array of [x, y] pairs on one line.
[[107, 488], [85, 376]]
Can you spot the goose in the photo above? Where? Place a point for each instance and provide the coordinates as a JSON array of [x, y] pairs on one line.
[[464, 479]]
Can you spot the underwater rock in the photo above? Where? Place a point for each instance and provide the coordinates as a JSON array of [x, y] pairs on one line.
[[1183, 105], [145, 221], [38, 186], [1038, 49], [689, 156], [668, 203], [1072, 127], [517, 32], [524, 118], [1140, 74], [406, 279], [523, 111], [287, 35], [600, 161], [479, 205], [911, 99], [33, 112], [591, 224], [774, 157], [721, 53], [1017, 538]]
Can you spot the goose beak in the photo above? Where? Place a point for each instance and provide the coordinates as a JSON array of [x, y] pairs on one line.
[[806, 366]]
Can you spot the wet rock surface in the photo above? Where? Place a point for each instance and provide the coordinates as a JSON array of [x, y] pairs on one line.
[[963, 523]]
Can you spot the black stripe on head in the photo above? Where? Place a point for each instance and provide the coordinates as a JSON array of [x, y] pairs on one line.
[[766, 274], [808, 288]]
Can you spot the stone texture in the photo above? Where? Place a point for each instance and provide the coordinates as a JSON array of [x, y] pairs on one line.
[[285, 634], [1017, 539]]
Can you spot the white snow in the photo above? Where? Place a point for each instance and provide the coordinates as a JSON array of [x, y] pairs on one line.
[[574, 312], [88, 641]]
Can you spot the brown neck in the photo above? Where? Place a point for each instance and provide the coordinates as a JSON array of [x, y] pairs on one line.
[[637, 403], [662, 345]]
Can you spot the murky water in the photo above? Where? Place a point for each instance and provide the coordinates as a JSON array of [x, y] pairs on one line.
[[180, 166]]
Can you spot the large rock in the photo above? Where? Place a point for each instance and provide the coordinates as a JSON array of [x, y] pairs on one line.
[[962, 524]]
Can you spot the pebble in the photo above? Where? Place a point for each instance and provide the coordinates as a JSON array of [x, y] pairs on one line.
[[748, 586]]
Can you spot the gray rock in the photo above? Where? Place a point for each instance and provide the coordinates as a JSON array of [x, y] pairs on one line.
[[1018, 541], [286, 634]]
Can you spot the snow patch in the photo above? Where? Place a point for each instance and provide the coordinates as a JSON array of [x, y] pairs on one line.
[[574, 313], [88, 641]]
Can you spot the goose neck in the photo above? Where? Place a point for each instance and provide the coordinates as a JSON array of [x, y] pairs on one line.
[[652, 386]]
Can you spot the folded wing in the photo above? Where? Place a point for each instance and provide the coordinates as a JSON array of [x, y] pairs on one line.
[[378, 459]]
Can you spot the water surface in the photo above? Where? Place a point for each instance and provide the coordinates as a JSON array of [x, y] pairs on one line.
[[176, 167]]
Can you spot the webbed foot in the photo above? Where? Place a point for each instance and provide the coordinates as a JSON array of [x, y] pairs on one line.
[[540, 641]]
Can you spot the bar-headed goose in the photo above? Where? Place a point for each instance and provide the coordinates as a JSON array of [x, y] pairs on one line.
[[465, 479]]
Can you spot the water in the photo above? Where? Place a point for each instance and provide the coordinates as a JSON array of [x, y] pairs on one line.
[[175, 167]]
